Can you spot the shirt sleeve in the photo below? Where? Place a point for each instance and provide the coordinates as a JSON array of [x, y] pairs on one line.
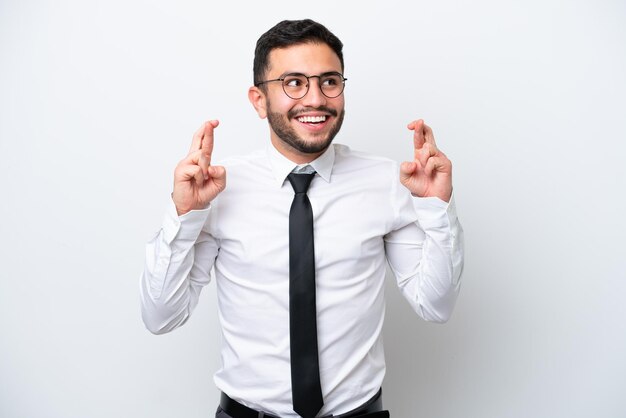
[[426, 255], [178, 263]]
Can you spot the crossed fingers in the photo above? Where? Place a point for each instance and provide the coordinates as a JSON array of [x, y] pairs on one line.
[[202, 148], [423, 142], [421, 133]]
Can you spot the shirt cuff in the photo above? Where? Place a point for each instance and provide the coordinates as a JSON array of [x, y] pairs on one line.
[[186, 227], [432, 212]]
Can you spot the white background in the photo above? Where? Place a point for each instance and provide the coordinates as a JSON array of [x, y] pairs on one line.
[[98, 102]]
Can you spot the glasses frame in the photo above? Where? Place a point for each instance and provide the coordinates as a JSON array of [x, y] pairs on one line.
[[308, 83]]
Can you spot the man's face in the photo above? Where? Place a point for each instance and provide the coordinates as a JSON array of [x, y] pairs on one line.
[[306, 126]]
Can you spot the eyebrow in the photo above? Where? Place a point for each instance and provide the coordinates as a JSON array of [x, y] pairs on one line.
[[285, 74]]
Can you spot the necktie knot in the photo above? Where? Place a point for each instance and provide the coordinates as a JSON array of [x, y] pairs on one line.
[[300, 182]]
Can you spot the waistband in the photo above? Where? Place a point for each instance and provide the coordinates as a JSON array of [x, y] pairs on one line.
[[237, 410]]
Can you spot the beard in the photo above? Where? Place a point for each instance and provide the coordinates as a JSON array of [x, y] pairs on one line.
[[280, 125]]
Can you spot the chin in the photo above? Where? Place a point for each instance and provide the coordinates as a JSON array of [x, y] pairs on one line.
[[303, 137]]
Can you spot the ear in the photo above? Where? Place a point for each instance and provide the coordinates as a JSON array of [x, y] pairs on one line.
[[258, 100]]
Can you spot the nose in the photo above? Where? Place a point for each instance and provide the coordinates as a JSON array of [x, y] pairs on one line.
[[314, 97]]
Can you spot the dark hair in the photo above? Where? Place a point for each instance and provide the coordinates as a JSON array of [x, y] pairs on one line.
[[288, 33]]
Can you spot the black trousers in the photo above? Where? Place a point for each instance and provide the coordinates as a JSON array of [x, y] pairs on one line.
[[221, 414], [366, 410]]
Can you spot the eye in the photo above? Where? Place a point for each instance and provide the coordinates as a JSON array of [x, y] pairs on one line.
[[294, 81], [331, 80]]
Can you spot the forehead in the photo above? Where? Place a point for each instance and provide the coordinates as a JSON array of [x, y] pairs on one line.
[[307, 58]]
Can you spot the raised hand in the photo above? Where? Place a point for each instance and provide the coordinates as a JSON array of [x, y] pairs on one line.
[[196, 181], [430, 172]]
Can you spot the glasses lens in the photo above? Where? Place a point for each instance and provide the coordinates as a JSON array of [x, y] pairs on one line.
[[295, 86], [332, 85]]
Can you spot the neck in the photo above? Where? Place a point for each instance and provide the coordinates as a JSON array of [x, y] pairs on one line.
[[293, 154]]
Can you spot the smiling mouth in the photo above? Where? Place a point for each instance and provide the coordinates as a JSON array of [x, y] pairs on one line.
[[311, 119]]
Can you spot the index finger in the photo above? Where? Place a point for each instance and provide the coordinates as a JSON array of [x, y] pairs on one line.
[[418, 133], [196, 142], [207, 138], [428, 135]]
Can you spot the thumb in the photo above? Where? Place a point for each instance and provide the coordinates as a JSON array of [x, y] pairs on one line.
[[407, 169], [218, 174]]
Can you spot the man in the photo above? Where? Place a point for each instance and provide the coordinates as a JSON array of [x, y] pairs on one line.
[[359, 212]]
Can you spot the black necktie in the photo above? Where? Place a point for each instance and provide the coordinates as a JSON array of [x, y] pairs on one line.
[[305, 373]]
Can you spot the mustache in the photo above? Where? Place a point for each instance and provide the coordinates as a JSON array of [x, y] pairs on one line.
[[295, 113]]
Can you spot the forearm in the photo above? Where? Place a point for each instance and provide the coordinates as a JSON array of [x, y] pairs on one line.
[[177, 266], [427, 259]]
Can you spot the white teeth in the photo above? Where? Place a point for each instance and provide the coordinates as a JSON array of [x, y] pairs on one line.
[[312, 119]]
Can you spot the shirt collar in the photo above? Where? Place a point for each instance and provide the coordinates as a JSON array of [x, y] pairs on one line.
[[282, 166]]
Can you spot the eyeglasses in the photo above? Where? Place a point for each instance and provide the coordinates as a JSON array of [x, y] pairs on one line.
[[296, 85]]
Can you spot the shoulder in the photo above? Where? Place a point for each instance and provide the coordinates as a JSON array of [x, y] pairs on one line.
[[246, 171], [254, 158], [347, 158], [252, 164]]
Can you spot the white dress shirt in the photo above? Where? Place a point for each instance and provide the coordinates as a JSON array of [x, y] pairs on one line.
[[363, 218]]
